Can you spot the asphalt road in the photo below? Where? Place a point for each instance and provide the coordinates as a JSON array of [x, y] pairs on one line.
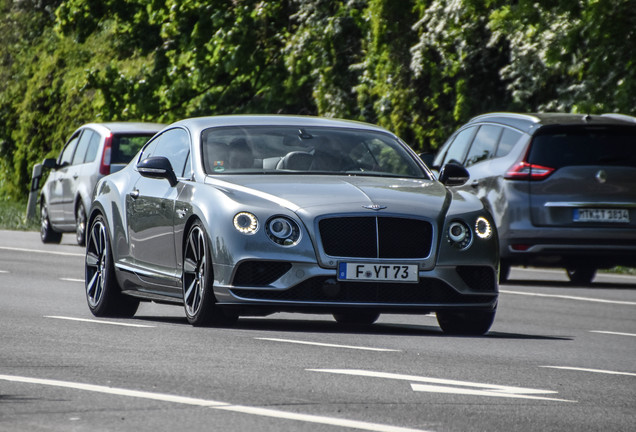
[[558, 358]]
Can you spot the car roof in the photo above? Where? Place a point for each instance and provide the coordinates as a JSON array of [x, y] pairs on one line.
[[532, 122], [200, 123], [128, 127]]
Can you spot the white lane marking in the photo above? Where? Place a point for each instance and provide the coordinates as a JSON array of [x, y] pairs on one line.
[[308, 418], [98, 321], [471, 392], [71, 280], [451, 386], [41, 251], [4, 271], [613, 333], [588, 299], [326, 344], [590, 370]]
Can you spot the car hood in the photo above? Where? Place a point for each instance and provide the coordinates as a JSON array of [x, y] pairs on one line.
[[321, 194]]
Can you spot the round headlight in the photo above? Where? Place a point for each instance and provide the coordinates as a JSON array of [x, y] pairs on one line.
[[246, 222], [283, 231], [459, 235], [483, 228]]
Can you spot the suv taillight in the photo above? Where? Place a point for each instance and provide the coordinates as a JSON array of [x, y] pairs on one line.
[[104, 167], [527, 171]]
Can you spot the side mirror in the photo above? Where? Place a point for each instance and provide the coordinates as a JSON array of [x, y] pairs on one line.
[[157, 167], [453, 175], [49, 163]]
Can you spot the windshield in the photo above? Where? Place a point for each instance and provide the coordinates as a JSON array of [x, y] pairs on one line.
[[311, 150]]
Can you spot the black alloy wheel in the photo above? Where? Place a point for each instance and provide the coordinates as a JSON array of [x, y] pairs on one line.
[[198, 296], [80, 224], [103, 294], [47, 233]]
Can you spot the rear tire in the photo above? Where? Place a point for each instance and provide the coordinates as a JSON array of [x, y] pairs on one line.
[[47, 233], [103, 293], [360, 317], [468, 323], [504, 271], [581, 275], [80, 224]]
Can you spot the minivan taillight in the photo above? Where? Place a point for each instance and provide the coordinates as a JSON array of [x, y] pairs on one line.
[[527, 171], [104, 167]]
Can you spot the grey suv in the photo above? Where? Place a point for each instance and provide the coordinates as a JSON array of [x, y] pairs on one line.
[[561, 187], [93, 151]]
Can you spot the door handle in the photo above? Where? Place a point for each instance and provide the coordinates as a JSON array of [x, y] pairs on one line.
[[75, 176], [475, 183], [134, 194]]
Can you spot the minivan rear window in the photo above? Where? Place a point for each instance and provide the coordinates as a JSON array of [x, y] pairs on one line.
[[125, 146], [584, 146]]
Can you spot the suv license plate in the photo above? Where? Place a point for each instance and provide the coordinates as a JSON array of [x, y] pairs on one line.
[[601, 215], [378, 272]]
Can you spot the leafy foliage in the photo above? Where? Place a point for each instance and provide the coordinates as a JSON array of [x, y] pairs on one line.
[[417, 67]]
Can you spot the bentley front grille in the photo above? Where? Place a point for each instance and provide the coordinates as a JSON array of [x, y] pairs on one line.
[[376, 237]]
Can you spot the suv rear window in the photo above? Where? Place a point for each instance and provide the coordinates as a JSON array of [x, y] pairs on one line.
[[584, 146]]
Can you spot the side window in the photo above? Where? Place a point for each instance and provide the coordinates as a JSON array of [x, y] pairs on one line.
[[93, 147], [484, 144], [175, 145], [508, 140], [67, 154], [457, 149], [149, 150], [82, 146]]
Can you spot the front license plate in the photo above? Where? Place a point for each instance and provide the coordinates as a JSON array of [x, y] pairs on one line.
[[378, 272], [601, 215]]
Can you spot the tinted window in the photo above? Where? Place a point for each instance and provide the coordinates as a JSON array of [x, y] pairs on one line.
[[67, 154], [507, 141], [285, 149], [82, 146], [93, 147], [585, 146], [458, 148], [484, 144], [125, 146]]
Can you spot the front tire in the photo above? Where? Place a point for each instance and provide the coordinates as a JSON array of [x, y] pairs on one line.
[[360, 317], [198, 296], [581, 275], [103, 293], [470, 323], [47, 233]]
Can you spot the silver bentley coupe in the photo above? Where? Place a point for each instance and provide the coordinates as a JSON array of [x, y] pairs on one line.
[[234, 216]]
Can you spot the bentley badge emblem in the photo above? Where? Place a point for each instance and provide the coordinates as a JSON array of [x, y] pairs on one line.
[[375, 207]]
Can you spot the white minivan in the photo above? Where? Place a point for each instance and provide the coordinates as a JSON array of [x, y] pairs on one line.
[[93, 151]]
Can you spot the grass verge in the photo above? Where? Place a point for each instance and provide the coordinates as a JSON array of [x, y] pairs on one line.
[[13, 217]]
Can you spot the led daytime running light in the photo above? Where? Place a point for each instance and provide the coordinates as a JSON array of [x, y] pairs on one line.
[[483, 229], [246, 223]]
